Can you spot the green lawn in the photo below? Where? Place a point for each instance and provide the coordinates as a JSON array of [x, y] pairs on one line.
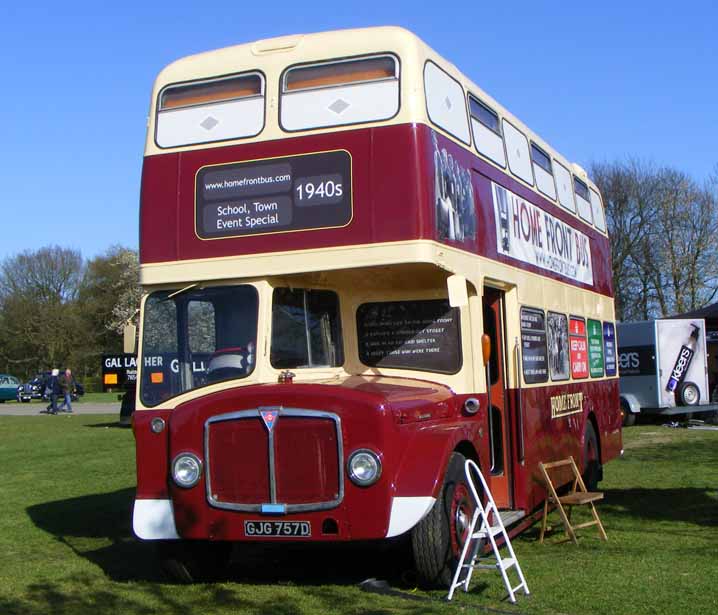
[[66, 546]]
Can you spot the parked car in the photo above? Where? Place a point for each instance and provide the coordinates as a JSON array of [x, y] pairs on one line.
[[8, 387]]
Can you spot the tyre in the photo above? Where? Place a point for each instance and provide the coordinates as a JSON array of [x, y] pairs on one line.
[[194, 561], [438, 538], [688, 394], [629, 418], [591, 461]]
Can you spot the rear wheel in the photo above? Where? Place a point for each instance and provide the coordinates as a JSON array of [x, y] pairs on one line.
[[591, 461], [194, 561], [438, 538]]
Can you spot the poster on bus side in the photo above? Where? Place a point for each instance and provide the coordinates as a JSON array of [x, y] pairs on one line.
[[579, 348], [531, 235]]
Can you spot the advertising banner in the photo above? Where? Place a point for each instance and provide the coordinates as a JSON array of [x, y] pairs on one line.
[[276, 195], [530, 234], [682, 358]]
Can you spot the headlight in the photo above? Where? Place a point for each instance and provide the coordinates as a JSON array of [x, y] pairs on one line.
[[364, 467], [186, 470]]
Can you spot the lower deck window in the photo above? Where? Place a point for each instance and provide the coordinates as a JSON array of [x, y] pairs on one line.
[[306, 330], [195, 338], [423, 335]]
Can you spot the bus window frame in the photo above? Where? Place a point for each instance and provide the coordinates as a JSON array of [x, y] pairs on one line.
[[157, 110], [533, 146], [464, 93], [498, 132], [513, 173], [281, 92]]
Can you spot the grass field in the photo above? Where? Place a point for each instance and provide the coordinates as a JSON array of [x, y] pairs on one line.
[[66, 545]]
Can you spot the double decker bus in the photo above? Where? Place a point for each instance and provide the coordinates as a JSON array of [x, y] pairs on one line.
[[358, 271]]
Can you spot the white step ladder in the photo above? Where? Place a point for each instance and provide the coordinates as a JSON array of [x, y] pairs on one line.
[[490, 526]]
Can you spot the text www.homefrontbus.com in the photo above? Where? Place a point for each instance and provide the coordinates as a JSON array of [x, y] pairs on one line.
[[246, 181]]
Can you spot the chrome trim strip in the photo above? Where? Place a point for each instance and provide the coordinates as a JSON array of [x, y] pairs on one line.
[[256, 413]]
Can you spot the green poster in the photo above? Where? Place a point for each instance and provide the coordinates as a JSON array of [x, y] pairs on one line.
[[595, 348]]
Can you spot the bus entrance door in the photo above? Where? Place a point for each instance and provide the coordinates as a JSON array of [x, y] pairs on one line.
[[498, 419]]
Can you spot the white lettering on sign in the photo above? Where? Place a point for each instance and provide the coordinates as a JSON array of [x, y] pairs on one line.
[[532, 235]]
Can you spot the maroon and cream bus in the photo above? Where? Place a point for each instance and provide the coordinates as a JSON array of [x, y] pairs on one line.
[[332, 226]]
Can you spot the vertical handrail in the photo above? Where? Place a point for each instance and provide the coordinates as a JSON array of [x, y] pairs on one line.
[[492, 448], [519, 405]]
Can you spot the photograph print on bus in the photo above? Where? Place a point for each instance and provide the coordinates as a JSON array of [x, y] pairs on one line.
[[455, 214], [558, 346]]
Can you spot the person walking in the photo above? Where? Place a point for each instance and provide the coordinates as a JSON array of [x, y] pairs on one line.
[[53, 389], [67, 386]]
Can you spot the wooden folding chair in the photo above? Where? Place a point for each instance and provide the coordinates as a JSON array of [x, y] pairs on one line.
[[578, 495]]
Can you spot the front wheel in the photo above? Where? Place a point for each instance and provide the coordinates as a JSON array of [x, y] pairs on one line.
[[194, 561], [438, 538], [688, 394], [628, 418]]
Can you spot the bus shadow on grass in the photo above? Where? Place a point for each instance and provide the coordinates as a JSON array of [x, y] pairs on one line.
[[98, 528], [693, 505]]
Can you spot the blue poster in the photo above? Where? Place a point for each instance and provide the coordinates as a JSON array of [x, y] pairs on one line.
[[609, 348]]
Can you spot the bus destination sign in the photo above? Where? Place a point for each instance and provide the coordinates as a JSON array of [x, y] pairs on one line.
[[275, 195]]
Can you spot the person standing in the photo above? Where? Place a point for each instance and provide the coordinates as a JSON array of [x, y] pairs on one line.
[[53, 390], [67, 386]]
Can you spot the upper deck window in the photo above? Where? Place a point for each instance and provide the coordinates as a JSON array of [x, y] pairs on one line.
[[565, 190], [517, 148], [340, 92], [583, 200], [487, 131], [340, 73], [445, 102], [211, 110], [599, 218], [543, 171]]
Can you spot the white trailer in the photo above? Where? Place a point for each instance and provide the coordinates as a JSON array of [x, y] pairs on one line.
[[663, 368]]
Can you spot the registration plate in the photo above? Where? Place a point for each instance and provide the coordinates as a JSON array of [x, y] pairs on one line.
[[277, 529]]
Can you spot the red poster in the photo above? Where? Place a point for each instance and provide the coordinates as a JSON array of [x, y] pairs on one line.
[[578, 348]]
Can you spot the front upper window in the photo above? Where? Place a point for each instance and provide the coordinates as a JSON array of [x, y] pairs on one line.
[[340, 93], [210, 110], [195, 338]]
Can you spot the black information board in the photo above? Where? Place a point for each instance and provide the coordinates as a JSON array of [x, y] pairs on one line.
[[273, 196], [533, 345], [118, 371], [423, 335]]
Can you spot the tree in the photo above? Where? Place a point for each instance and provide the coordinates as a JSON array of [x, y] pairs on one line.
[[110, 279], [663, 227], [38, 316]]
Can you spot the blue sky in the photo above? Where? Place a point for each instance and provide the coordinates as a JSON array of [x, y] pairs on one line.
[[598, 81]]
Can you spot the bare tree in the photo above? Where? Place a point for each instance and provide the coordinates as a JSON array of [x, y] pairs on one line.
[[663, 227]]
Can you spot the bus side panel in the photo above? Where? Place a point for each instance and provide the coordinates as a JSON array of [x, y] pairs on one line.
[[483, 242], [386, 195], [554, 427], [158, 208]]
